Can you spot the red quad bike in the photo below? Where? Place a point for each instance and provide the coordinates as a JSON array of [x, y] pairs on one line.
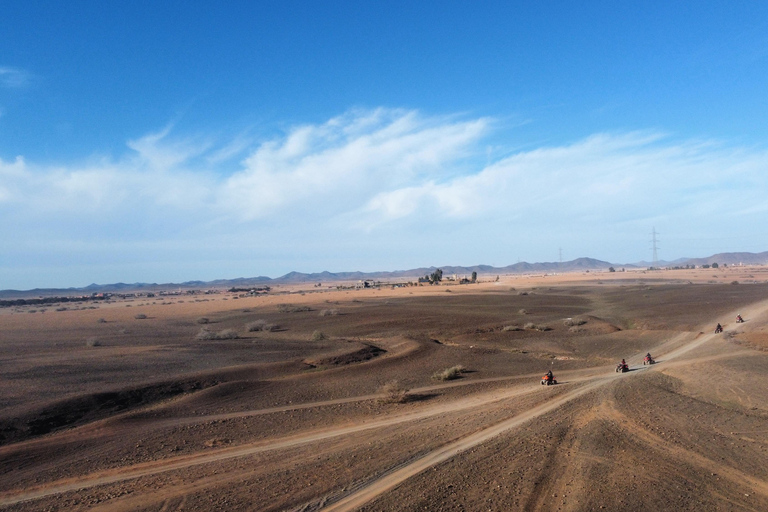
[[649, 360], [718, 329], [739, 320], [546, 380], [623, 368]]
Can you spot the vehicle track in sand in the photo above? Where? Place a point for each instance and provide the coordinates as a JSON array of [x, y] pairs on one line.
[[590, 380], [364, 494], [161, 466]]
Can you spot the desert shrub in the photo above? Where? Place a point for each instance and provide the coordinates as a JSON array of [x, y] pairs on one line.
[[205, 334], [734, 282], [454, 372], [203, 320], [291, 308], [522, 312], [140, 316], [32, 311], [255, 326], [319, 336], [535, 327], [92, 342], [101, 321], [522, 293], [511, 328], [394, 393], [61, 309], [568, 322], [226, 334], [329, 312], [270, 327]]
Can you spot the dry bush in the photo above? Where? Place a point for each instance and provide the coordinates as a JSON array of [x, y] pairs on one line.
[[226, 334], [522, 312], [92, 342], [101, 321], [329, 312], [61, 309], [394, 393], [522, 293], [319, 336], [255, 326], [454, 372], [203, 320], [571, 322], [140, 316], [535, 327], [291, 308], [734, 282], [205, 334], [511, 328]]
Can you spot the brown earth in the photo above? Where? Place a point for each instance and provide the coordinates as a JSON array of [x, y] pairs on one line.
[[100, 410]]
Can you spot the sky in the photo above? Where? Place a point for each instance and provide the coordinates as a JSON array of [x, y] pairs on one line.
[[176, 141]]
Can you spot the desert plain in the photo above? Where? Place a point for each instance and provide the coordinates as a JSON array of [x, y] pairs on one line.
[[314, 398]]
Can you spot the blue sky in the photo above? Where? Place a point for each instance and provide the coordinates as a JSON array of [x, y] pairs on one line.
[[173, 141]]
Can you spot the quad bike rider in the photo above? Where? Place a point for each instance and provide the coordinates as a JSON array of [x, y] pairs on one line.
[[622, 367], [548, 379], [648, 359], [739, 320], [718, 329]]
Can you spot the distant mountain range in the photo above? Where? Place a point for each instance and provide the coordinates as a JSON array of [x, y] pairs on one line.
[[729, 258]]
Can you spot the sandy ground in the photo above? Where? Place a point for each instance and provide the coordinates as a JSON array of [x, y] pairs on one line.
[[101, 410]]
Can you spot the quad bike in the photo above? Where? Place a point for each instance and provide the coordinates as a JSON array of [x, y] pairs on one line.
[[623, 368], [547, 380], [649, 360], [718, 329], [739, 320]]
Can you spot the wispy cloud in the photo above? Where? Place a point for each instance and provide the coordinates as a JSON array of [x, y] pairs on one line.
[[13, 78], [379, 175]]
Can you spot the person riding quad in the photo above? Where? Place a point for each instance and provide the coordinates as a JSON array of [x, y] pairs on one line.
[[648, 359], [718, 329], [622, 366], [739, 319], [548, 378]]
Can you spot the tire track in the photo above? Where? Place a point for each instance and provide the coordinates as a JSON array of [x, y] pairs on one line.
[[390, 481], [182, 462], [593, 380]]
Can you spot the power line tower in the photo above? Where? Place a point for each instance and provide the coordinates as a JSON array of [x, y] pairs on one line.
[[654, 244]]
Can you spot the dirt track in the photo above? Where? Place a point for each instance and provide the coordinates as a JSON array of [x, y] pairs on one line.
[[656, 438]]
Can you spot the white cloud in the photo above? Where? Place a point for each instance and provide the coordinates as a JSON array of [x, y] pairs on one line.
[[371, 179], [343, 161], [13, 78], [615, 177]]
